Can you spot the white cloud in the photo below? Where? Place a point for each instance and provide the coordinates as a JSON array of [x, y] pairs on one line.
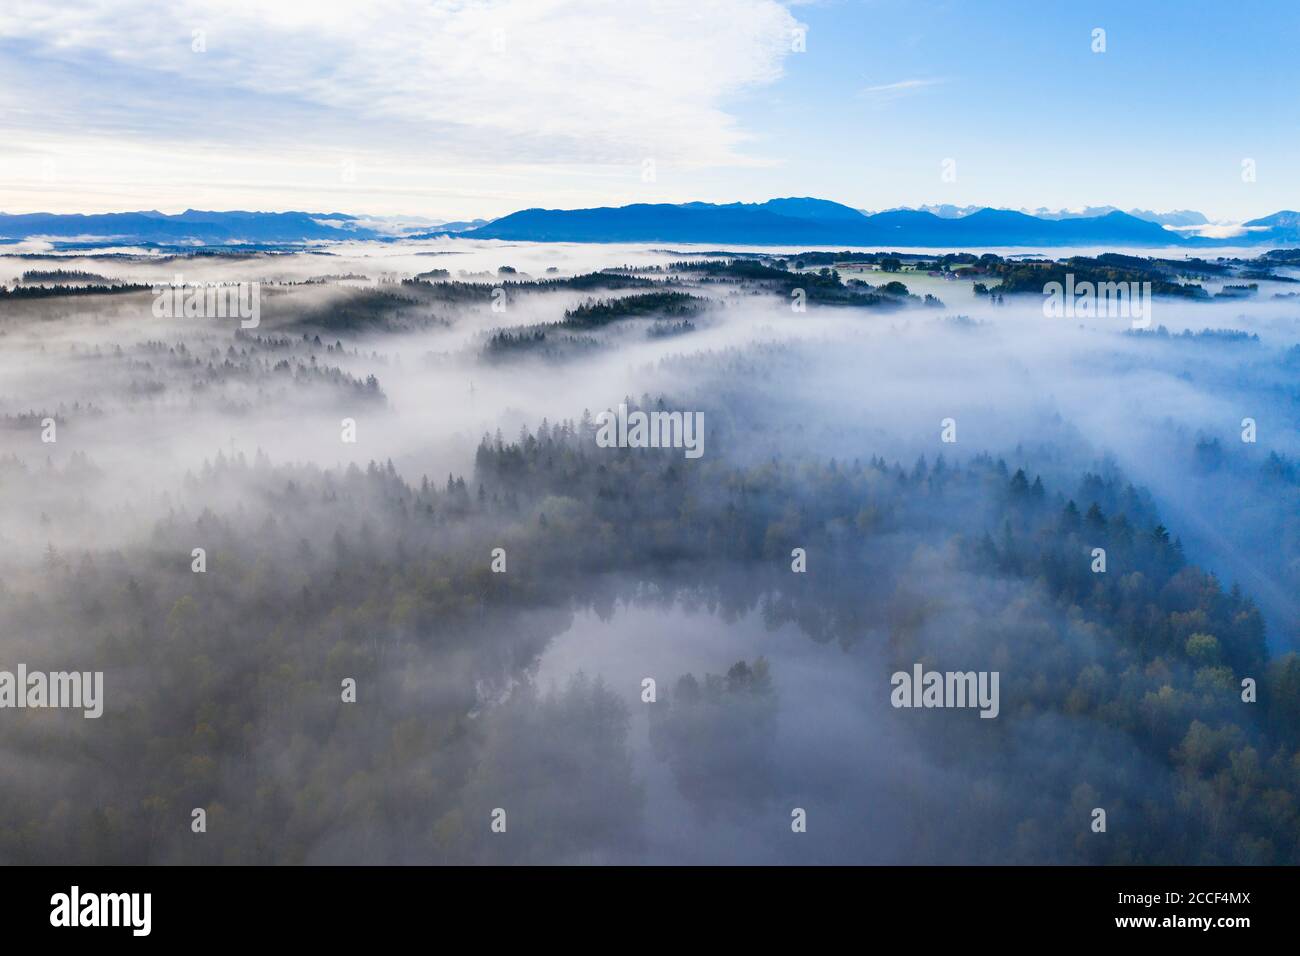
[[1217, 230], [899, 88], [576, 81]]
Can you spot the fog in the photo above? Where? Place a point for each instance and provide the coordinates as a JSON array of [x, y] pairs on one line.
[[881, 434]]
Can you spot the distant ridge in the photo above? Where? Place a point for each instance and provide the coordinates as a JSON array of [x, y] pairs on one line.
[[448, 228], [807, 221], [1179, 217], [191, 226], [801, 221]]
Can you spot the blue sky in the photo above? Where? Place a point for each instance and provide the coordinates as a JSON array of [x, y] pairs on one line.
[[455, 108], [1013, 92]]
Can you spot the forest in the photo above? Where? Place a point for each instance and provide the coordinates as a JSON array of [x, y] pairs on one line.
[[387, 640]]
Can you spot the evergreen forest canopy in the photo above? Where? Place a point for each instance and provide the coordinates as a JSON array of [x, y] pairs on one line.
[[517, 683]]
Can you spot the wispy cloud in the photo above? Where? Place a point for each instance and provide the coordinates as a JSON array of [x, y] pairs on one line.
[[889, 91], [451, 84]]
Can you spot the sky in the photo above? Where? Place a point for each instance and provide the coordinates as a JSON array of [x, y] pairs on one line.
[[453, 109]]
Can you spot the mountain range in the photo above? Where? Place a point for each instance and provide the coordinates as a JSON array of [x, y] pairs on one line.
[[1177, 218], [792, 221], [191, 226], [821, 222]]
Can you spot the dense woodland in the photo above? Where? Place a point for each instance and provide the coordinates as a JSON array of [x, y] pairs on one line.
[[361, 574], [1121, 689]]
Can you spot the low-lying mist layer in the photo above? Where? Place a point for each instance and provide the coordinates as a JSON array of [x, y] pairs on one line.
[[399, 485]]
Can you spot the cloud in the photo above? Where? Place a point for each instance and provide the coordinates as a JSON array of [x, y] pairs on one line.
[[1216, 230], [890, 91], [576, 81]]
